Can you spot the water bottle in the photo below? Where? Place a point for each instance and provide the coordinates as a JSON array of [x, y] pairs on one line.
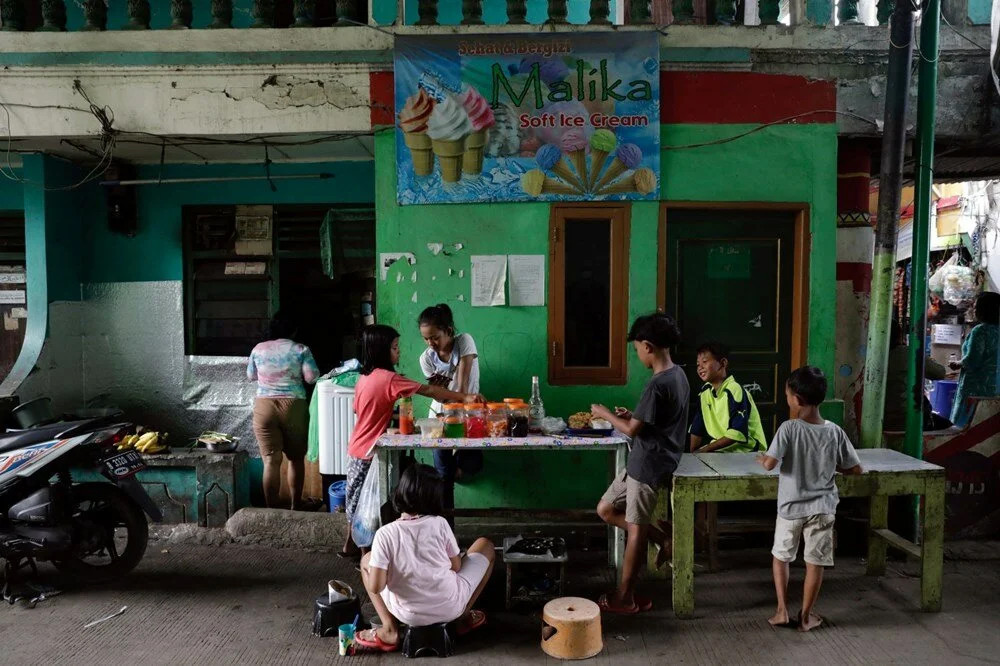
[[536, 411]]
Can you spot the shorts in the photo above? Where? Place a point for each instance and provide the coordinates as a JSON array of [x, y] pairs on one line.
[[637, 499], [470, 575], [281, 426], [816, 531]]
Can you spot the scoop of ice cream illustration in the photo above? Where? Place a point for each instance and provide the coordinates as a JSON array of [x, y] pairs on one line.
[[574, 145], [530, 145], [413, 121], [447, 127], [602, 144], [482, 119], [550, 158], [628, 156], [504, 139], [535, 182], [550, 69], [642, 181]]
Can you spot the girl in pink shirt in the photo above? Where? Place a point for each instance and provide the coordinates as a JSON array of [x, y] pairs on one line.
[[414, 574], [375, 395]]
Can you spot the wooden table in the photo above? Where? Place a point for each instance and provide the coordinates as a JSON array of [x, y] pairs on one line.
[[389, 448], [726, 477]]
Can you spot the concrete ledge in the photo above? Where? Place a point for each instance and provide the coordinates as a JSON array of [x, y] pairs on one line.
[[288, 529]]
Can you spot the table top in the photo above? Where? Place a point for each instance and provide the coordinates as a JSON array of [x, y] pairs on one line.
[[543, 442], [735, 465]]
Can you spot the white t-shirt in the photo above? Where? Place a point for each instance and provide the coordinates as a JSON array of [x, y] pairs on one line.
[[431, 364], [416, 555]]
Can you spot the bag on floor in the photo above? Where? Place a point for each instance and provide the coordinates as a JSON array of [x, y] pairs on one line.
[[367, 517]]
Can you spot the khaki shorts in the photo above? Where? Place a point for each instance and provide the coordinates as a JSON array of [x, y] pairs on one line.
[[281, 426], [637, 499], [816, 531]]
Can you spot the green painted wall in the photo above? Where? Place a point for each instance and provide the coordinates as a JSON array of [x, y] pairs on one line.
[[155, 253], [792, 163]]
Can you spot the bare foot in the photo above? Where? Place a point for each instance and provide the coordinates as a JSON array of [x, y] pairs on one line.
[[812, 621], [780, 618]]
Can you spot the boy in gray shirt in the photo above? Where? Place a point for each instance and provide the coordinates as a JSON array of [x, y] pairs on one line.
[[810, 451]]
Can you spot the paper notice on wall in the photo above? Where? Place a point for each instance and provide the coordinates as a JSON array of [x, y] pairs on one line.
[[489, 279], [235, 268], [12, 297], [946, 334], [11, 278], [527, 279]]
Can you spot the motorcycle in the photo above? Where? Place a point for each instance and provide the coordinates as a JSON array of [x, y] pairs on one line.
[[96, 532]]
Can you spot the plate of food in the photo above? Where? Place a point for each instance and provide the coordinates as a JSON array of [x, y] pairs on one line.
[[583, 424]]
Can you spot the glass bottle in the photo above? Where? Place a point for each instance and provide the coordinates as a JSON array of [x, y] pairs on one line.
[[536, 407], [406, 416]]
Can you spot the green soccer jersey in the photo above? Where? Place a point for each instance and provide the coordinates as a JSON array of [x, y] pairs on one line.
[[729, 412]]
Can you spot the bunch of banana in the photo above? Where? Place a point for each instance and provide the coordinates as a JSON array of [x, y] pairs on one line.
[[128, 443], [150, 442]]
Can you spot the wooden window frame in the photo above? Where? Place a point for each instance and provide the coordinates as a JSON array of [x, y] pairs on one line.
[[616, 373], [799, 352]]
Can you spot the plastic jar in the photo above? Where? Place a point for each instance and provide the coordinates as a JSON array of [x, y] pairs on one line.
[[454, 420], [496, 419], [517, 419], [475, 421]]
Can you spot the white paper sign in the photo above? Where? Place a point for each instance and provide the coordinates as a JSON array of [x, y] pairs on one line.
[[12, 296], [527, 279], [946, 334], [235, 268], [11, 278], [489, 278]]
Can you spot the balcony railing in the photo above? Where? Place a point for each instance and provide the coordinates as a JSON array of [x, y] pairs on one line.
[[90, 15]]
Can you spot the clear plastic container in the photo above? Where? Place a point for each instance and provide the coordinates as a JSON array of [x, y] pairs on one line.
[[431, 428], [454, 420], [475, 421], [517, 419], [496, 419]]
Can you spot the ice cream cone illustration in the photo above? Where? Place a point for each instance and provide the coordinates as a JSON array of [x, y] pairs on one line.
[[550, 158], [447, 127], [628, 156], [535, 182], [574, 144], [413, 122], [642, 181], [482, 119], [602, 144]]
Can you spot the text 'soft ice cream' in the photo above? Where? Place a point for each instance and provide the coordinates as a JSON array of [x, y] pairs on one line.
[[416, 112], [448, 121], [479, 111]]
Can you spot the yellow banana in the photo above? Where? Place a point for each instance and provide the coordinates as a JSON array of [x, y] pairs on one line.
[[143, 441], [159, 448]]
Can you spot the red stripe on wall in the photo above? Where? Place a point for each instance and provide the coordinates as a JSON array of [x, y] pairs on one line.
[[743, 97], [382, 99], [974, 435], [858, 273], [700, 97]]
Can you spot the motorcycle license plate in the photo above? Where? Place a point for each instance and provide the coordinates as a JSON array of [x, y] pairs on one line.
[[125, 464]]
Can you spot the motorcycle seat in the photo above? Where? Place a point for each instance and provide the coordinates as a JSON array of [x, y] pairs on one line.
[[19, 439]]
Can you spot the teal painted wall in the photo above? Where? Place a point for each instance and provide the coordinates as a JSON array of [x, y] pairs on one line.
[[791, 163], [11, 193], [980, 11], [494, 11], [155, 253]]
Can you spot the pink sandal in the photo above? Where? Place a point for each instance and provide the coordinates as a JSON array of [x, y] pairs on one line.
[[375, 644]]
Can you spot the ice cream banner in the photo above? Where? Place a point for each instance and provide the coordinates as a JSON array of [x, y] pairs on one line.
[[554, 117]]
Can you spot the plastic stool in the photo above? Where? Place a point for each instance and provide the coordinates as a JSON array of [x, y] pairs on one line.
[[431, 640], [328, 617]]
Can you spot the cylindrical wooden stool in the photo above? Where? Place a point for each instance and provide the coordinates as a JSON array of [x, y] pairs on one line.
[[572, 628]]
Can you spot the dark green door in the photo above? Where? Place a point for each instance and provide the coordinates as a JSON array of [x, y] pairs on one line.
[[729, 279]]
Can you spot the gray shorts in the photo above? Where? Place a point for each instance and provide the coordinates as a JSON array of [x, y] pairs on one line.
[[636, 499], [816, 531]]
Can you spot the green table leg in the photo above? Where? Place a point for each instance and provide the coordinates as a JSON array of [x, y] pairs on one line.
[[878, 519], [932, 556], [661, 512], [682, 503]]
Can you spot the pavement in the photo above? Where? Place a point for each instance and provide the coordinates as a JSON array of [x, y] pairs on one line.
[[252, 604]]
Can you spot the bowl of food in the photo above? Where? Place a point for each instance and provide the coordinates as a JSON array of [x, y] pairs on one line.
[[583, 424]]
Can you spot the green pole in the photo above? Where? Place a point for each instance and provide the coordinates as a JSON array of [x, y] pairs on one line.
[[897, 87], [926, 99]]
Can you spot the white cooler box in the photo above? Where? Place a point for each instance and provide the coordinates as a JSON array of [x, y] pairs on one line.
[[336, 422]]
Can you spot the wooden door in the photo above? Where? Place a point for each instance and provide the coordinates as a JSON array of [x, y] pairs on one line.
[[729, 278]]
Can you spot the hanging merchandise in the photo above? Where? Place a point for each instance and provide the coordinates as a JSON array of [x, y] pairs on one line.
[[935, 285], [960, 285]]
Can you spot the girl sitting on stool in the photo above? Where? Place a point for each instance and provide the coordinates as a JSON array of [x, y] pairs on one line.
[[414, 574]]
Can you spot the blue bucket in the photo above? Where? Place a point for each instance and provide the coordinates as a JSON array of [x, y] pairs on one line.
[[943, 396], [338, 495]]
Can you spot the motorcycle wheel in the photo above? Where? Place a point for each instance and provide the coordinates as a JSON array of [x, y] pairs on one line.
[[110, 534]]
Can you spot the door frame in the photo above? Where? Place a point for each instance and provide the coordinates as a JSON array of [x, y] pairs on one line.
[[800, 260]]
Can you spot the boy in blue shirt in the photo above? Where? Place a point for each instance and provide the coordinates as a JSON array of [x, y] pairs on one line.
[[728, 419]]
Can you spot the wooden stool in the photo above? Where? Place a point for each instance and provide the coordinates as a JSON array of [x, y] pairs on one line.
[[572, 628]]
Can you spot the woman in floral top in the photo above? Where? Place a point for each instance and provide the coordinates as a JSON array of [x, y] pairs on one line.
[[282, 368]]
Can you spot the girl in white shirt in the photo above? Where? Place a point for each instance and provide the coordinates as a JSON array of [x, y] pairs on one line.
[[450, 360]]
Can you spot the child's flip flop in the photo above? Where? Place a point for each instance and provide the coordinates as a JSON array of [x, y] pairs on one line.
[[605, 605], [374, 643], [477, 619], [645, 604]]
